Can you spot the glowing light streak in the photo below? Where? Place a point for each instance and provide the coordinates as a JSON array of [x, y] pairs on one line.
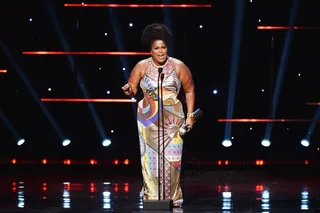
[[142, 5], [82, 53], [286, 28], [256, 120], [87, 100]]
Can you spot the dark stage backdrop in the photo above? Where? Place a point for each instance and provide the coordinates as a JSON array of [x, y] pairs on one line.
[[207, 51]]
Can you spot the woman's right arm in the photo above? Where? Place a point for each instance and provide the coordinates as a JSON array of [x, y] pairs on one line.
[[131, 88]]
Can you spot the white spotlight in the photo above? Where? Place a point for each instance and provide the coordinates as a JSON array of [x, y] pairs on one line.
[[20, 142], [66, 142], [305, 143], [227, 143], [265, 143], [106, 142], [130, 24]]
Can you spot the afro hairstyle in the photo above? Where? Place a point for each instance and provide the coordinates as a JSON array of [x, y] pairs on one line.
[[154, 32]]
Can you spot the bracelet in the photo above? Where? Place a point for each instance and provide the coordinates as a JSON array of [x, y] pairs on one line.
[[190, 115]]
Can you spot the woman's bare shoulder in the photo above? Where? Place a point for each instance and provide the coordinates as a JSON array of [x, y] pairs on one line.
[[143, 63], [141, 67]]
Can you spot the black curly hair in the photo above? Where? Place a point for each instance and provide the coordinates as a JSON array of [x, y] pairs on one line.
[[154, 32]]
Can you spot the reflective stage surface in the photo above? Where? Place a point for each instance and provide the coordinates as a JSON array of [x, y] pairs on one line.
[[207, 191]]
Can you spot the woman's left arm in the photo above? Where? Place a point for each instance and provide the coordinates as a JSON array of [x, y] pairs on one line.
[[186, 79]]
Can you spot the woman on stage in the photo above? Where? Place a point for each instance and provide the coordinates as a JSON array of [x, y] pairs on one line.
[[175, 76]]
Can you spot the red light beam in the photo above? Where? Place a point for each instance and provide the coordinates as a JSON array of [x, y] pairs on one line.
[[248, 120], [87, 100], [286, 28], [141, 5], [3, 71], [82, 53], [313, 103]]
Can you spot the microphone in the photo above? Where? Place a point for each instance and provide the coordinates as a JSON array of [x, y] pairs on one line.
[[162, 77], [186, 128]]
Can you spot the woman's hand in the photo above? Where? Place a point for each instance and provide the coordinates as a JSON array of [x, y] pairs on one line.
[[190, 122], [127, 89]]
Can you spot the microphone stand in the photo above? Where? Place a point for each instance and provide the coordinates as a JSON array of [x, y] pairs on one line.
[[163, 154], [160, 204], [159, 159]]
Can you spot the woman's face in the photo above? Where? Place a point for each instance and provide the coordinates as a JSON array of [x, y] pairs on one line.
[[159, 52]]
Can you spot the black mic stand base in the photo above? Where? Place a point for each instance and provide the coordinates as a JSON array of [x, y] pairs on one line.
[[157, 205]]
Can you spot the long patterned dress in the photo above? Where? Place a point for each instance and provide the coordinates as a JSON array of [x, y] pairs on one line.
[[148, 133]]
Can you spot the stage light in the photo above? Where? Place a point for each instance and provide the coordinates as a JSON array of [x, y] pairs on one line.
[[305, 143], [106, 142], [66, 142], [265, 143], [215, 91], [227, 143], [68, 162], [99, 68], [20, 142], [226, 201], [304, 200], [265, 194], [112, 131], [200, 26], [123, 69], [49, 89], [105, 34], [265, 200], [299, 74], [92, 162], [126, 162], [30, 19], [262, 90], [259, 162], [44, 161], [259, 20], [108, 92], [130, 25], [250, 128]]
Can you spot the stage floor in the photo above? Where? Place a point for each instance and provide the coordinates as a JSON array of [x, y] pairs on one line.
[[205, 191]]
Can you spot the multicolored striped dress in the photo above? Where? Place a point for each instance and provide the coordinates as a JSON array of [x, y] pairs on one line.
[[173, 119]]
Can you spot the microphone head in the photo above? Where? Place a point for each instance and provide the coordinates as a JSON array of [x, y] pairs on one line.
[[162, 76], [160, 69]]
